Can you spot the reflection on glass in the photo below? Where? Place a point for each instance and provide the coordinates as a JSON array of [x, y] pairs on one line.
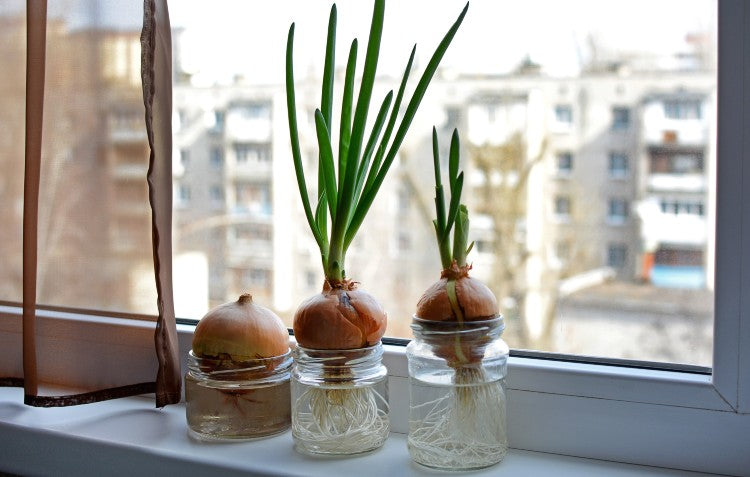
[[589, 156]]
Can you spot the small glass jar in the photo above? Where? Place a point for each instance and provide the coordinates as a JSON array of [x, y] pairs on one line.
[[339, 400], [229, 400], [457, 393]]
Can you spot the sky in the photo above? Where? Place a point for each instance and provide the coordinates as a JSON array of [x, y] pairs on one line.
[[227, 37], [224, 38]]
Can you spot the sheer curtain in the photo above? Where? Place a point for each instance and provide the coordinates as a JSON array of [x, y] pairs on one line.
[[91, 168]]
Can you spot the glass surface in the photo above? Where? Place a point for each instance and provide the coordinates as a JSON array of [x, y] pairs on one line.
[[94, 234], [457, 394], [608, 254], [237, 400], [339, 401]]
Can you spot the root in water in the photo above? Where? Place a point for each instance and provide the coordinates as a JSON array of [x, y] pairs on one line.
[[463, 429], [340, 421]]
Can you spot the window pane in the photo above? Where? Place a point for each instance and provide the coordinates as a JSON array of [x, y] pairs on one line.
[[12, 102], [94, 235], [588, 153]]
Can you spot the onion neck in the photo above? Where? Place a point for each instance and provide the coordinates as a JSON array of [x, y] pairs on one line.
[[334, 268]]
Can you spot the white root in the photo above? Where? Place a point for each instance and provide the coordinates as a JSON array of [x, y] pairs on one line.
[[465, 429], [340, 420]]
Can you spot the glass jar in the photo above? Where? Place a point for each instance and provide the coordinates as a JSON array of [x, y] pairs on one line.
[[457, 393], [339, 400], [226, 399]]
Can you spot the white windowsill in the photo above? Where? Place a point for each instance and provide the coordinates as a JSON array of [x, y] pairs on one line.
[[129, 437], [600, 412]]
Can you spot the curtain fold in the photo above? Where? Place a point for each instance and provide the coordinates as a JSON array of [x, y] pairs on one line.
[[156, 74], [156, 79], [36, 52]]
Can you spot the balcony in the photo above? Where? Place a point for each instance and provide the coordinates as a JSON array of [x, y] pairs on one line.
[[660, 129], [675, 229], [238, 128], [677, 183]]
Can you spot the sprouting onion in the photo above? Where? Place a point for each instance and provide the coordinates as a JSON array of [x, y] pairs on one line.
[[347, 186], [456, 296], [350, 175], [464, 428]]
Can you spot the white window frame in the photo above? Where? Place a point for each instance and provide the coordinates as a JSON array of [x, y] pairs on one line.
[[671, 419]]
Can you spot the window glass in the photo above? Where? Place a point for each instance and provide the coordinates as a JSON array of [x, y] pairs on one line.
[[564, 163], [94, 234], [620, 117], [589, 265], [618, 165]]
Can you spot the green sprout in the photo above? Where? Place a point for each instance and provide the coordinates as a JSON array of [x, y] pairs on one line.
[[458, 214], [347, 198]]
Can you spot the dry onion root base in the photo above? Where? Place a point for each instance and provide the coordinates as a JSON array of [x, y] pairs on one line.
[[465, 428]]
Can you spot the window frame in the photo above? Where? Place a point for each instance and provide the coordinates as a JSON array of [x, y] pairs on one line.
[[669, 418]]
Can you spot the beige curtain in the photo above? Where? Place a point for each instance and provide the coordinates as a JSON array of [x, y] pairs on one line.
[[157, 99]]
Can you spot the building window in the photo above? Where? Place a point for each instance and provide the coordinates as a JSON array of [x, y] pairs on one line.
[[562, 207], [665, 162], [184, 157], [252, 152], [256, 277], [564, 163], [403, 201], [183, 194], [255, 111], [686, 207], [618, 165], [562, 250], [483, 246], [219, 117], [616, 255], [311, 279], [491, 112], [617, 211], [216, 157], [216, 193], [620, 118], [403, 242], [564, 114], [452, 116], [684, 109], [252, 197]]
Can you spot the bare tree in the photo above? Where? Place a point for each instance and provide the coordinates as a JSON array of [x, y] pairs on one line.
[[502, 197]]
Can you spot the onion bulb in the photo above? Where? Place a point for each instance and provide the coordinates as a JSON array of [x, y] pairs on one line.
[[340, 317], [457, 297], [240, 331]]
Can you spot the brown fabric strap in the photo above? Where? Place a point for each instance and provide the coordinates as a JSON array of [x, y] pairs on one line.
[[11, 382], [36, 38], [156, 75], [90, 397]]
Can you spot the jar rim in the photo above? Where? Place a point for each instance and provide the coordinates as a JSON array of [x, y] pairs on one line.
[[491, 321], [434, 327], [332, 351], [254, 361]]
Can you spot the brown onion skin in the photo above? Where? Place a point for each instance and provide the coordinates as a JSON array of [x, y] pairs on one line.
[[477, 303], [240, 331], [474, 298], [340, 317]]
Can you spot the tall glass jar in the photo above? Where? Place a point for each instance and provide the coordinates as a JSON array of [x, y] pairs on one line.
[[339, 400], [457, 393], [226, 399]]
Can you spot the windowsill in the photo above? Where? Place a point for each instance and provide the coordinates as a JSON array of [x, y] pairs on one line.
[[129, 437]]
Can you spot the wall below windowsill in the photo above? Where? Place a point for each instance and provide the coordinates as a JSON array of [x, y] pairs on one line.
[[130, 437]]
